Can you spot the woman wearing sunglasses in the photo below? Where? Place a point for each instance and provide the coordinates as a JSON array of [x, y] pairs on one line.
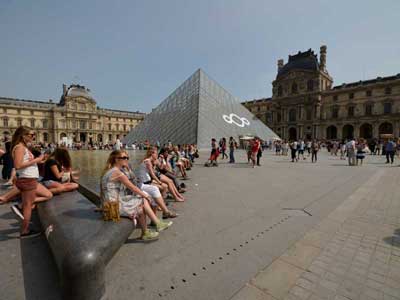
[[114, 185], [27, 176]]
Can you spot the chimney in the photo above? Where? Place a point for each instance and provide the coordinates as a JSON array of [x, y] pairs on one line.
[[64, 89], [322, 58], [280, 64]]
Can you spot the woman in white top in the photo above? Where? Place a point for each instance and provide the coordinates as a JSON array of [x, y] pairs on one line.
[[27, 176]]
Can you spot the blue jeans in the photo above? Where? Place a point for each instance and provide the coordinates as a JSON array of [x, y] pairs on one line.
[[231, 157]]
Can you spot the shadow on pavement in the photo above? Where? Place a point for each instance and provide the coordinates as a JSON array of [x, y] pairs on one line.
[[39, 270], [393, 240]]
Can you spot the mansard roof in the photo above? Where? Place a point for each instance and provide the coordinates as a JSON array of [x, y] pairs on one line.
[[301, 61], [366, 82]]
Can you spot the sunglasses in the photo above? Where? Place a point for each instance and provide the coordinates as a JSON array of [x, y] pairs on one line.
[[123, 157], [31, 134]]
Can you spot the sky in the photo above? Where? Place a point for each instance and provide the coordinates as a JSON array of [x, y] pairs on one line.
[[133, 54]]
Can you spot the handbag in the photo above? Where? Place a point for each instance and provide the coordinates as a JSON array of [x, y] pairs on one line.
[[111, 211]]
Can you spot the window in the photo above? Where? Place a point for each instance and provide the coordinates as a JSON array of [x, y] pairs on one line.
[[32, 123], [368, 109], [310, 85], [368, 93], [109, 126], [387, 108], [279, 117], [388, 90], [279, 91], [292, 115], [294, 88], [258, 108], [351, 96], [82, 124], [124, 127], [335, 97], [5, 122], [32, 112], [350, 111], [309, 114], [19, 122], [45, 123], [45, 137], [109, 137], [90, 125], [335, 112]]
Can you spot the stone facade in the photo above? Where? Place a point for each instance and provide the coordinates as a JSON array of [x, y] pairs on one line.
[[76, 117], [304, 104]]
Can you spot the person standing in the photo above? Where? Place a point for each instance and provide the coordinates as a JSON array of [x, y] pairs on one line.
[[259, 154], [117, 145], [389, 150], [254, 150], [301, 147], [232, 146], [293, 150], [314, 151], [27, 176], [351, 152], [223, 148], [361, 149]]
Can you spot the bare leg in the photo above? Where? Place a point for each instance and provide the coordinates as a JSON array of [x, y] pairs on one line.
[[42, 194], [149, 212], [27, 200], [14, 192]]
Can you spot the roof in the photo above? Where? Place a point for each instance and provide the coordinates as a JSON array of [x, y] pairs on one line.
[[27, 103], [301, 61], [76, 90], [257, 101], [368, 81]]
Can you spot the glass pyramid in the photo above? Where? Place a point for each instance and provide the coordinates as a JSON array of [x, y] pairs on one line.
[[198, 110]]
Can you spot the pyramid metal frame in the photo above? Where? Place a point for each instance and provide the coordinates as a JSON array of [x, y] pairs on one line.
[[196, 111]]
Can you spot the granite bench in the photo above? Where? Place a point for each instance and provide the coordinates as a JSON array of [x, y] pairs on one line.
[[81, 242]]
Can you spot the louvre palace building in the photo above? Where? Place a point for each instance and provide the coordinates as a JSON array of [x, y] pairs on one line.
[[75, 117], [306, 105]]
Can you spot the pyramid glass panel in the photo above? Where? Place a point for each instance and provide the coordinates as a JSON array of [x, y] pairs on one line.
[[195, 112]]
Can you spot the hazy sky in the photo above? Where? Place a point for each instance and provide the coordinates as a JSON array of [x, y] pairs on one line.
[[133, 54]]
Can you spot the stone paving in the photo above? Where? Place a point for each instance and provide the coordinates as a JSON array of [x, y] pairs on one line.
[[348, 248], [352, 254]]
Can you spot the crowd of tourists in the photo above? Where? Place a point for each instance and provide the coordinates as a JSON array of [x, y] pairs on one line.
[[353, 150], [35, 173]]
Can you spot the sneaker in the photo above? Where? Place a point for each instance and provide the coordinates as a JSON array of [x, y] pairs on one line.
[[17, 211], [31, 233], [149, 235], [163, 225]]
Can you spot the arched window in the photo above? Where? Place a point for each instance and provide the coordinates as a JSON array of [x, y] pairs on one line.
[[294, 88], [310, 85]]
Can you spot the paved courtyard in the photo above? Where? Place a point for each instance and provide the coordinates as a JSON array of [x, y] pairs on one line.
[[280, 231]]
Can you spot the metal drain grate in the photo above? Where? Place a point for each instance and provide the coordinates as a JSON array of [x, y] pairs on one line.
[[184, 282]]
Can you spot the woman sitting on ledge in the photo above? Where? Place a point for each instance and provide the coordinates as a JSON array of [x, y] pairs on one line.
[[136, 206], [148, 175], [56, 167]]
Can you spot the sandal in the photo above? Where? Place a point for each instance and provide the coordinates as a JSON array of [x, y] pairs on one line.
[[169, 215]]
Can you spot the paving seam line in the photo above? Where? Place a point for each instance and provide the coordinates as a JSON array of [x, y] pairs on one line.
[[338, 216]]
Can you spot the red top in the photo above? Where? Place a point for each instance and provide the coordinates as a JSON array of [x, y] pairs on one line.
[[256, 146]]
